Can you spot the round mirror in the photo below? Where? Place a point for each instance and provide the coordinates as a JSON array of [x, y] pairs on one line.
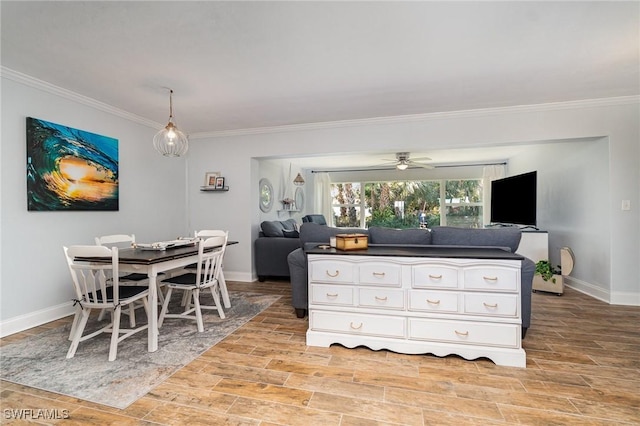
[[266, 195], [299, 199]]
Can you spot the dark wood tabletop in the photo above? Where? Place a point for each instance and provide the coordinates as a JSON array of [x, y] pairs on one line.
[[461, 252], [138, 256]]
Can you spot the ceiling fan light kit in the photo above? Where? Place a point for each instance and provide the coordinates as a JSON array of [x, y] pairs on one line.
[[402, 161], [170, 141]]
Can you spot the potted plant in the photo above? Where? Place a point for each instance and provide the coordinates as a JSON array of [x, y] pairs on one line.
[[548, 278]]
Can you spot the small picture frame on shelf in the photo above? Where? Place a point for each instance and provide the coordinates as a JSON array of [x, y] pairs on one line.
[[219, 182], [210, 179]]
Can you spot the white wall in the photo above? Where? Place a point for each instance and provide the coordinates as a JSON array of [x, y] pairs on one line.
[[158, 202], [35, 282], [573, 184], [616, 119]]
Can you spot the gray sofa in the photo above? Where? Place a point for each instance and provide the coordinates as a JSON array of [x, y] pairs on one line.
[[312, 234], [276, 240]]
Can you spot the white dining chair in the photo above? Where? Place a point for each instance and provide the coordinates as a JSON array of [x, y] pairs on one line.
[[135, 278], [204, 277], [124, 241], [97, 287], [223, 285]]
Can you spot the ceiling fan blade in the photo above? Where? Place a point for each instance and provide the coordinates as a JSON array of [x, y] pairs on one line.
[[421, 159], [422, 166]]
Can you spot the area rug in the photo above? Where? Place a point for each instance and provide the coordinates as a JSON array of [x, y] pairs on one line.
[[40, 361]]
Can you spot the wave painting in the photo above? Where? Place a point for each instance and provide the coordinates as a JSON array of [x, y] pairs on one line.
[[70, 169]]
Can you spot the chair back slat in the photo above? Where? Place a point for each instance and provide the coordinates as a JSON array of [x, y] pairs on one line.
[[116, 240], [91, 280], [210, 262]]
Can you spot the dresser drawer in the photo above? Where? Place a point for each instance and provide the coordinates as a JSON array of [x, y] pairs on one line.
[[498, 279], [465, 332], [502, 305], [380, 273], [331, 271], [345, 322], [381, 298], [331, 294], [434, 301], [434, 276]]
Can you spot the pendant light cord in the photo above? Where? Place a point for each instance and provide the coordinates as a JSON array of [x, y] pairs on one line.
[[170, 104]]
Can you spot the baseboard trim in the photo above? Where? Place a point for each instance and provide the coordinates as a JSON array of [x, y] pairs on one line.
[[588, 289], [34, 319], [625, 298]]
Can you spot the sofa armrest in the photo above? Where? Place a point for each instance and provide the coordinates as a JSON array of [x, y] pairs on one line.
[[299, 280], [271, 255]]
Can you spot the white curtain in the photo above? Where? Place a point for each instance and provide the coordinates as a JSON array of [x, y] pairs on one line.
[[489, 174], [322, 191]]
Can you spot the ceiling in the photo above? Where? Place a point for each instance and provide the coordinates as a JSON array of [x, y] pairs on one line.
[[248, 65]]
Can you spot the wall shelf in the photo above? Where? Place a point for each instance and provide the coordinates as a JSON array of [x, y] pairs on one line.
[[209, 189]]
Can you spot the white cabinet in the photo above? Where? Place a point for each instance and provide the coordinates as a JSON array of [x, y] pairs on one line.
[[464, 306], [534, 245]]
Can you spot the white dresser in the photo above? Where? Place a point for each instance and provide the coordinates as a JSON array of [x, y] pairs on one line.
[[414, 301]]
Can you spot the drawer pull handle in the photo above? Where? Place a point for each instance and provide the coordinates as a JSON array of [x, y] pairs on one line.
[[355, 328], [333, 275], [382, 299], [378, 274], [460, 333], [433, 302], [490, 305], [490, 278], [435, 277], [332, 294]]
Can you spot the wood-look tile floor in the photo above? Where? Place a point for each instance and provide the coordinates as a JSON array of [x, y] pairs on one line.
[[583, 368]]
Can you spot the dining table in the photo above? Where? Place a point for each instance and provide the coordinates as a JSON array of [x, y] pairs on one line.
[[152, 263]]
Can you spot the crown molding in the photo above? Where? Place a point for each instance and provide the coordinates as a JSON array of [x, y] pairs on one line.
[[35, 83], [554, 106]]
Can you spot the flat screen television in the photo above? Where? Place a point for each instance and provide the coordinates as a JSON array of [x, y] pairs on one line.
[[513, 200]]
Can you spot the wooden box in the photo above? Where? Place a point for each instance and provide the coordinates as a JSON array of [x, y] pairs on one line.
[[352, 241]]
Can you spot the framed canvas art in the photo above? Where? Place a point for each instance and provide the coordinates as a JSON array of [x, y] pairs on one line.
[[70, 169]]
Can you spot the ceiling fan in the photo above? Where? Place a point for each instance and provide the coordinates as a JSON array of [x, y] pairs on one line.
[[402, 161]]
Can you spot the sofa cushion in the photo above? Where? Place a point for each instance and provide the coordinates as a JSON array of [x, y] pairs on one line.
[[291, 233], [381, 235], [289, 225], [500, 237]]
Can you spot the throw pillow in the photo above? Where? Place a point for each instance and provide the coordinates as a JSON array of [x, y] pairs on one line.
[[289, 224], [272, 228], [291, 234]]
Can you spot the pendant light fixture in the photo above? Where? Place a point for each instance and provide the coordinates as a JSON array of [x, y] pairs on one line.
[[299, 180], [170, 141]]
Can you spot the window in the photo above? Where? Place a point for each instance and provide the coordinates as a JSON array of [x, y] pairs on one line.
[[408, 204], [463, 204], [346, 202]]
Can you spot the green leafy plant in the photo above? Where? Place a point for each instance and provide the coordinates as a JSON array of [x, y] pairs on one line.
[[547, 271]]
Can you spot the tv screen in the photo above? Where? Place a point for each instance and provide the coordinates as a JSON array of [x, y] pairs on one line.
[[513, 200]]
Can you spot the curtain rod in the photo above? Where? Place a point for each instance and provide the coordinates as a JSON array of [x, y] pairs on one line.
[[503, 163]]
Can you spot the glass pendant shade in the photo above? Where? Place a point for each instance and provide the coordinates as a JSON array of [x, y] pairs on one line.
[[170, 141]]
